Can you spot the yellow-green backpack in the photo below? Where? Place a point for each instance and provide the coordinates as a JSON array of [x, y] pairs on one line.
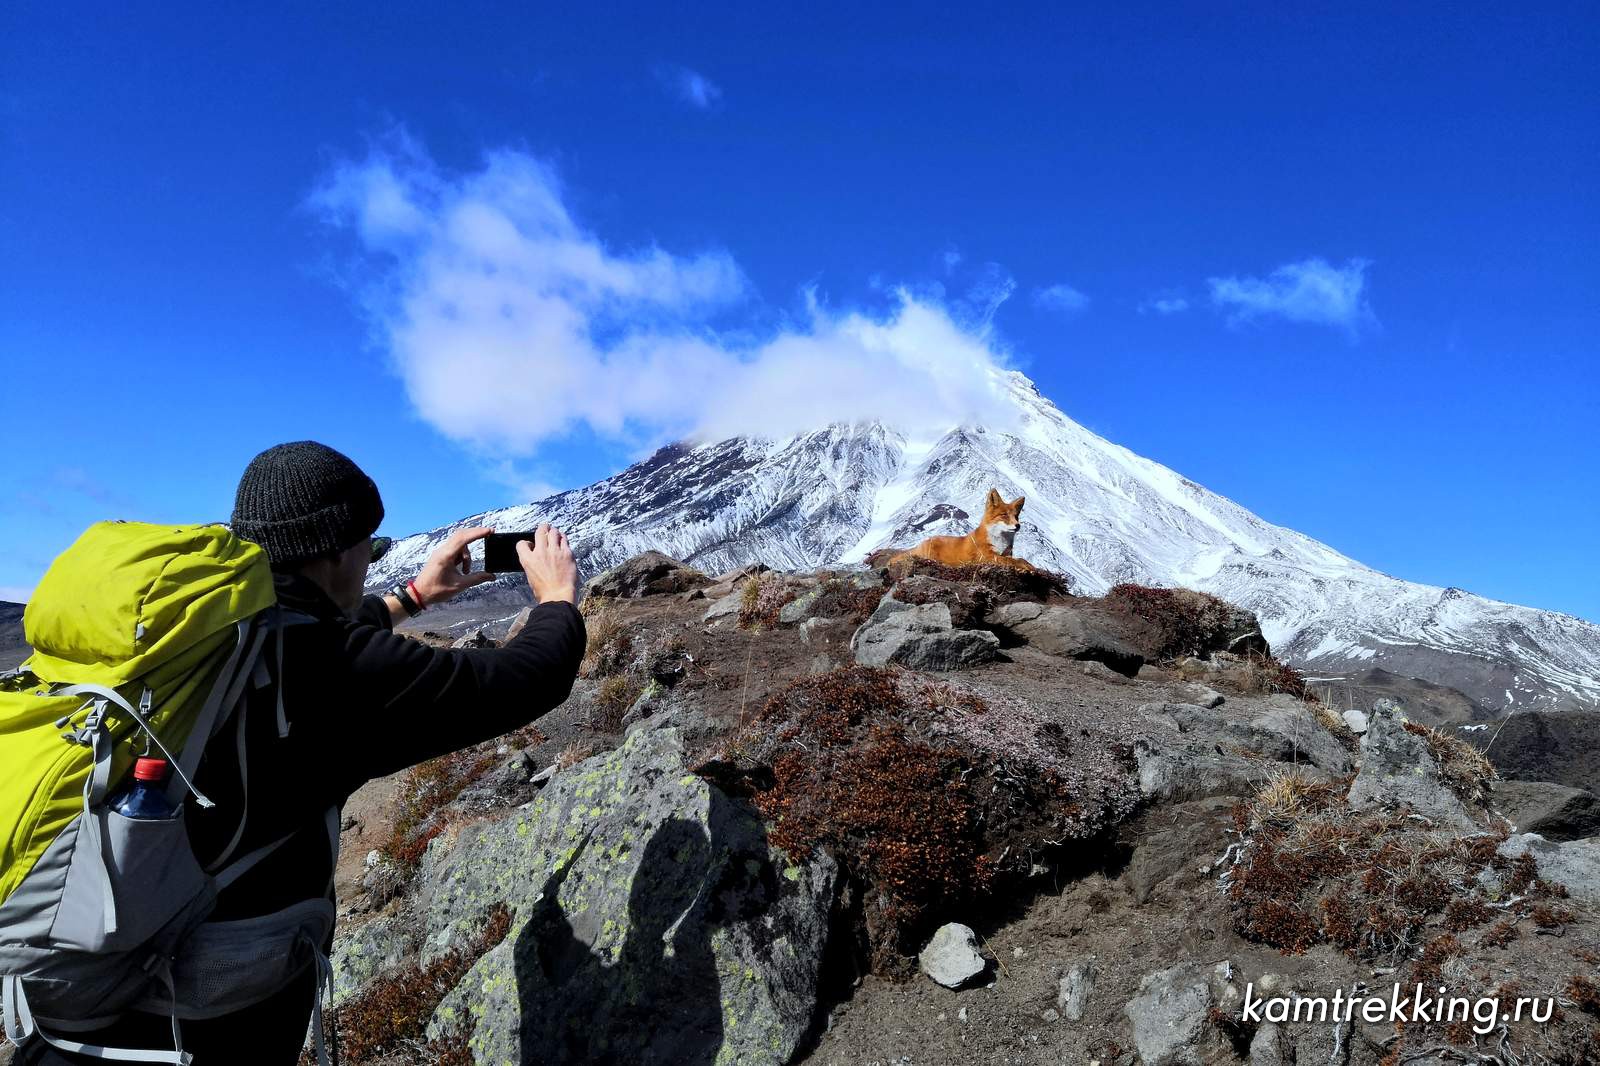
[[146, 639]]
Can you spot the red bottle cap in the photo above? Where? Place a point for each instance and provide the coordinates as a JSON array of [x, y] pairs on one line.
[[148, 769]]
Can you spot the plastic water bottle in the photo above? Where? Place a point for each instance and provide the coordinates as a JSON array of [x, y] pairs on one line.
[[144, 797]]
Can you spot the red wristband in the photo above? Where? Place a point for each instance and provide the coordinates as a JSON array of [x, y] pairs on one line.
[[411, 586]]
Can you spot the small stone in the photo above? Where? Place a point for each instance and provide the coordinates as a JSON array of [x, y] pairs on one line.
[[1017, 953], [373, 858], [1077, 985], [952, 957], [1202, 695], [1051, 1015], [962, 1014], [1356, 719]]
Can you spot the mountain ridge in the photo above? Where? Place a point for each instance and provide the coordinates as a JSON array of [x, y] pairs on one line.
[[1096, 510]]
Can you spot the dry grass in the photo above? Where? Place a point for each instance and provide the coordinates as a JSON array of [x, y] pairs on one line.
[[1462, 768], [611, 703], [609, 646], [763, 596], [573, 754]]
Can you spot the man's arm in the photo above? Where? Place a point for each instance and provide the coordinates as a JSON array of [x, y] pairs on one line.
[[408, 702]]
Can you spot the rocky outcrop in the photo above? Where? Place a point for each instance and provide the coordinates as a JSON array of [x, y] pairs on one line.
[[1070, 632], [1399, 771], [647, 574], [1280, 727], [652, 922], [921, 637], [1555, 812], [1573, 863]]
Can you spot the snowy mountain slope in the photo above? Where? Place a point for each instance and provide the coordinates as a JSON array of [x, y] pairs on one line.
[[1094, 510]]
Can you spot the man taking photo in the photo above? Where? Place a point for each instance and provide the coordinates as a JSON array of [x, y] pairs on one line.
[[351, 701]]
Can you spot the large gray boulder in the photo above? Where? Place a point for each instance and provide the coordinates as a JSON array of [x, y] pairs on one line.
[[650, 573], [652, 921], [1398, 770], [920, 637], [1067, 632], [1279, 727], [1168, 1015], [1555, 812], [1573, 863]]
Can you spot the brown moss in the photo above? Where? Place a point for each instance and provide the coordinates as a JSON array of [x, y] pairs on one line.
[[1184, 622], [763, 597], [903, 781], [1007, 583], [424, 790], [1584, 993], [1314, 871], [391, 1015], [1500, 934]]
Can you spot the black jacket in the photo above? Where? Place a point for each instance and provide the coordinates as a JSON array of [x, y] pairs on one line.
[[361, 703]]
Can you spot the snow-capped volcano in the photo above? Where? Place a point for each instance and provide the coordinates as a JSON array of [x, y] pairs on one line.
[[1094, 510]]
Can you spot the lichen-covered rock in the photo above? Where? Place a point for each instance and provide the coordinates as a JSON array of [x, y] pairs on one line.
[[800, 608], [1068, 632], [649, 573], [1398, 770], [920, 637], [652, 922], [519, 622], [378, 947]]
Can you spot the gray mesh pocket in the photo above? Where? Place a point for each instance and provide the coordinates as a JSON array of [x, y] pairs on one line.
[[226, 966], [128, 879]]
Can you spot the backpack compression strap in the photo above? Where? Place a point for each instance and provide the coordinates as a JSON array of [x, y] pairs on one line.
[[20, 1028]]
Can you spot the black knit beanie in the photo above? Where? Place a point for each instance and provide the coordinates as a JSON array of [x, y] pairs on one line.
[[303, 500]]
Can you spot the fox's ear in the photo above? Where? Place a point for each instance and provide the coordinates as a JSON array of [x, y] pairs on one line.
[[995, 498], [1016, 504]]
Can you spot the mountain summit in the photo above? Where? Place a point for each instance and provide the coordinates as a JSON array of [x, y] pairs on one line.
[[1094, 510]]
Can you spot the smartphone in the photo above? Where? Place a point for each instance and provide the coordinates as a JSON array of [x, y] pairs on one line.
[[500, 552]]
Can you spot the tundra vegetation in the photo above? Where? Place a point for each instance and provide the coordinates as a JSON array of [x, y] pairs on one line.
[[1130, 789]]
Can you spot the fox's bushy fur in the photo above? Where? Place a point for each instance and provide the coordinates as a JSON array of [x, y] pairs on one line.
[[988, 544]]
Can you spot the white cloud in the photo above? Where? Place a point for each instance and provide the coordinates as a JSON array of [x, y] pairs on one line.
[[511, 324], [1164, 305], [1061, 297], [1308, 291], [691, 87]]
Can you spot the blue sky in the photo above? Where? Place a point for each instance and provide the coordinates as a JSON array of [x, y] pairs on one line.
[[1337, 264]]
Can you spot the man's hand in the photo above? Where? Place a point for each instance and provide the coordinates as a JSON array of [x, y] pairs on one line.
[[547, 561], [448, 569]]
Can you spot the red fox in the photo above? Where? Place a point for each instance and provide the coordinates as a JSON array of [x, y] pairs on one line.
[[989, 544]]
